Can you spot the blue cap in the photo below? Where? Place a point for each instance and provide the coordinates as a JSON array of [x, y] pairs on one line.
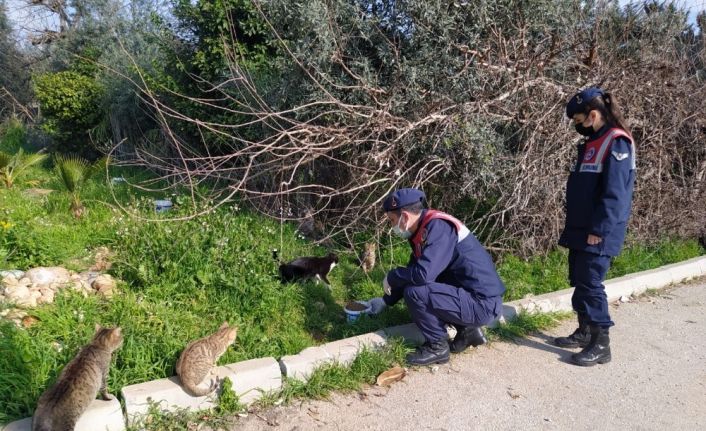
[[402, 198], [577, 103]]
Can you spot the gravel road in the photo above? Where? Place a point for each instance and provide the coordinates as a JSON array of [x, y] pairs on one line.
[[656, 381]]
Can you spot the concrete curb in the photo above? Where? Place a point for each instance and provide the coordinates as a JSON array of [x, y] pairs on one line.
[[257, 376], [250, 379], [344, 352], [631, 284], [100, 416]]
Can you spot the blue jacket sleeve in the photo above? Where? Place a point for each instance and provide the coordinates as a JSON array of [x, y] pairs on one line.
[[437, 253], [616, 194]]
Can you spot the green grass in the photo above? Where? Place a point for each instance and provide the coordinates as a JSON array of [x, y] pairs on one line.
[[544, 274], [334, 377], [526, 323], [181, 279]]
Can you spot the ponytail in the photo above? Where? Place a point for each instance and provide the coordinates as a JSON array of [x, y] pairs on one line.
[[607, 105], [614, 113]]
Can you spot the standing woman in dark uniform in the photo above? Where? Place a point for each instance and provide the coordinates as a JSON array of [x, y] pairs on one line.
[[598, 199]]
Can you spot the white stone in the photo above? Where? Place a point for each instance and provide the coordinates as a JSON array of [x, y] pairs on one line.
[[250, 380], [17, 293], [546, 303], [46, 275], [100, 416], [29, 302], [13, 272], [89, 276], [15, 314], [47, 297], [303, 364], [104, 284], [9, 280]]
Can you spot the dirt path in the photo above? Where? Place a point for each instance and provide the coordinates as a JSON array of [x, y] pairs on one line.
[[656, 381]]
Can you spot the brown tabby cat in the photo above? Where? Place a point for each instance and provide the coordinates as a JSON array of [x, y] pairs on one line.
[[60, 406], [368, 257], [199, 358]]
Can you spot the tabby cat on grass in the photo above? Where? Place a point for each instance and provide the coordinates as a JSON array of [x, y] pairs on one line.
[[61, 405], [199, 359]]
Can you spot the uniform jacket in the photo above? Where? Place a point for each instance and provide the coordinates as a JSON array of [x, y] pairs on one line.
[[447, 253], [599, 192]]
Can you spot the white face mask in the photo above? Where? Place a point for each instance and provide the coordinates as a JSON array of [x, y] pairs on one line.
[[401, 232]]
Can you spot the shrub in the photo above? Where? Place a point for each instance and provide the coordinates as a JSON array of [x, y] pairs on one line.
[[70, 104]]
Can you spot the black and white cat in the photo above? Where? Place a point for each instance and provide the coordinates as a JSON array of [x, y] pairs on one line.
[[307, 267]]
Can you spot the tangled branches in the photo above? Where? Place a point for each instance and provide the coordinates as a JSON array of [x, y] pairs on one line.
[[464, 102]]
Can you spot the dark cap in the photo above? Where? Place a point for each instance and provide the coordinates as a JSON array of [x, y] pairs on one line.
[[402, 198], [577, 103]]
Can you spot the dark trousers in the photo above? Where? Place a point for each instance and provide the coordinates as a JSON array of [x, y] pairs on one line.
[[434, 304], [587, 271]]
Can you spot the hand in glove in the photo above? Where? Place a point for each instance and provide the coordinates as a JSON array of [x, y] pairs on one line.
[[377, 305], [386, 287]]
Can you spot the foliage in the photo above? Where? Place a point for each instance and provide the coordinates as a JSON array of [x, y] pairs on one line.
[[14, 77], [228, 401], [371, 96], [214, 30], [74, 172], [13, 135], [336, 377], [14, 166], [70, 103]]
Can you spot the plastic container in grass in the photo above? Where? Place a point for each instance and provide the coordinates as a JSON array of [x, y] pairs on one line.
[[354, 309], [162, 205]]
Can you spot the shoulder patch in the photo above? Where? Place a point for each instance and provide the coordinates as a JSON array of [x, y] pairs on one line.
[[620, 156]]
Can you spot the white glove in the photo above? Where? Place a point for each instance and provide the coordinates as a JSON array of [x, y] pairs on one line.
[[386, 287], [377, 305]]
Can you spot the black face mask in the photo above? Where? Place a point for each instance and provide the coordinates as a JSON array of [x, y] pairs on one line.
[[583, 130]]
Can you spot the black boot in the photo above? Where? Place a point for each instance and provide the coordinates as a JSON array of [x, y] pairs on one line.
[[468, 336], [430, 353], [597, 351], [580, 338]]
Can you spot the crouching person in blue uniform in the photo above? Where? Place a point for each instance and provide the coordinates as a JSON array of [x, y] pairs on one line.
[[450, 278], [598, 199]]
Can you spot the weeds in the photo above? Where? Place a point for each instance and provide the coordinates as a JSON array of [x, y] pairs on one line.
[[526, 323]]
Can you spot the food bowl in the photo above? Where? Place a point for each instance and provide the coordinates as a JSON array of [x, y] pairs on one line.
[[354, 309]]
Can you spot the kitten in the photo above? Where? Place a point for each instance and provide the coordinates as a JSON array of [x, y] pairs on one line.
[[369, 257], [199, 358], [60, 406], [308, 267]]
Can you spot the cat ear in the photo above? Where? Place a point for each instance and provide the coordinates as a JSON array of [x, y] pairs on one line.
[[224, 325], [98, 327]]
